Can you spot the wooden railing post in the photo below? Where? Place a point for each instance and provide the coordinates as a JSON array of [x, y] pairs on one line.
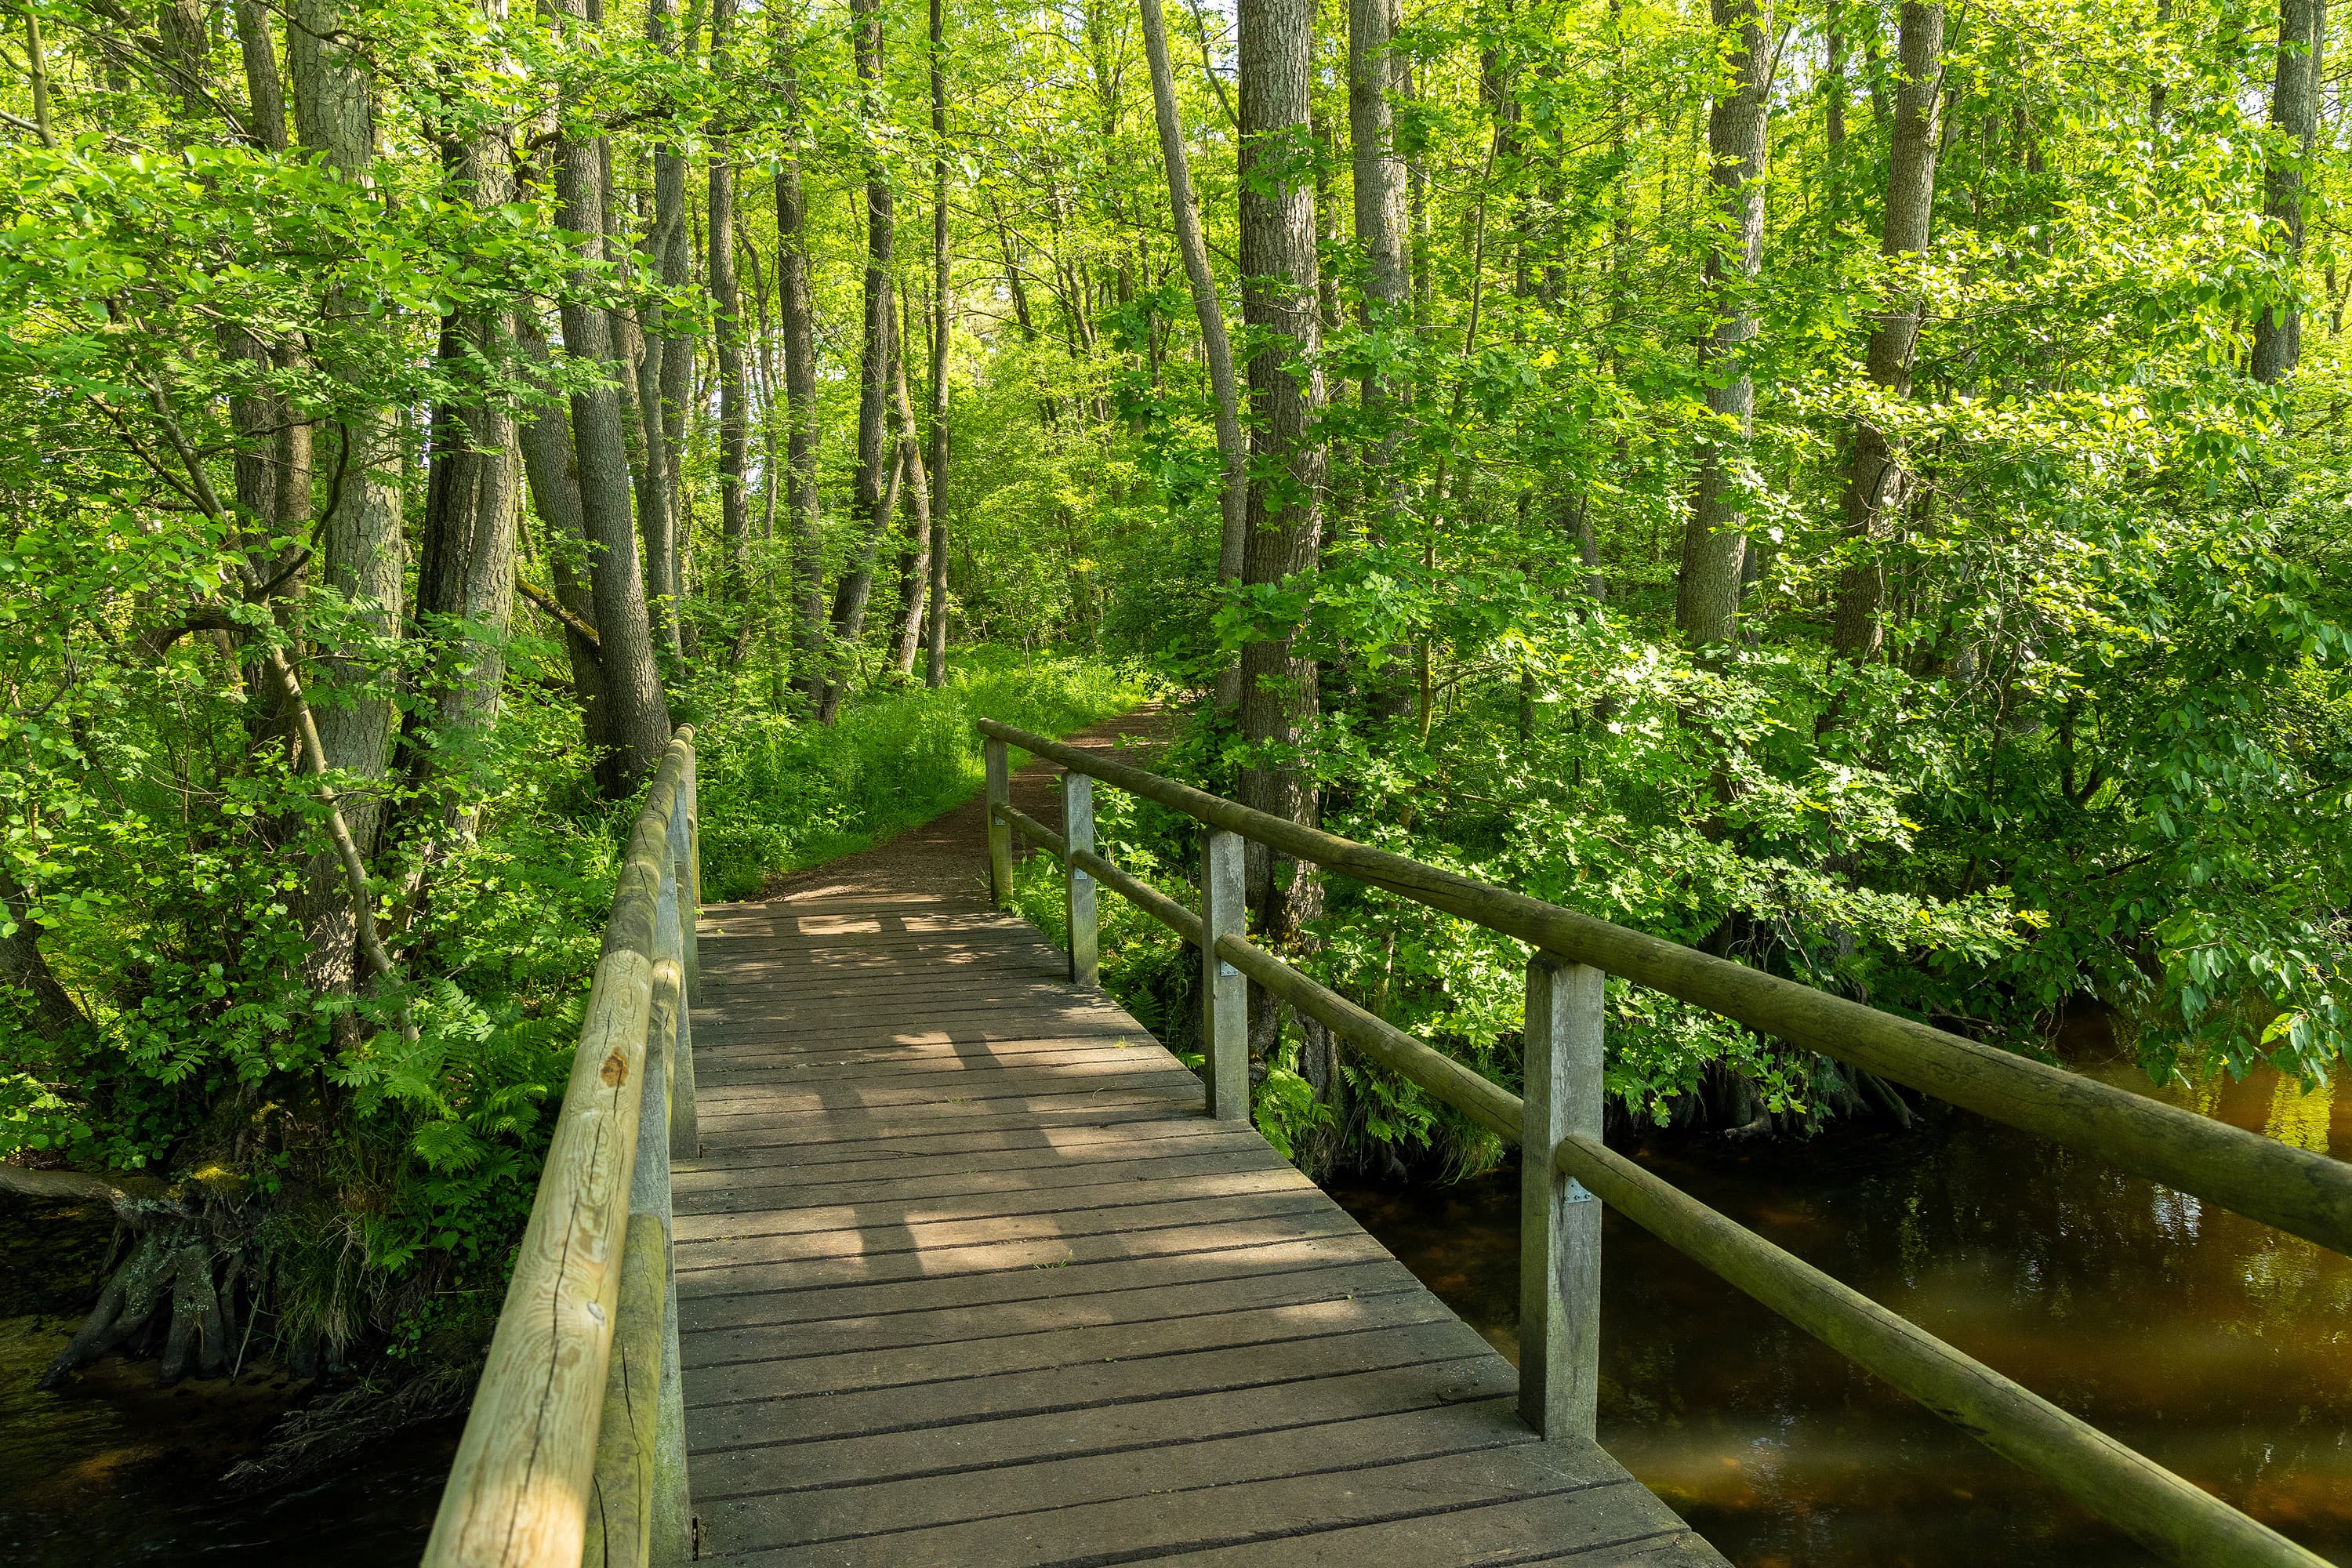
[[685, 1124], [999, 832], [1078, 886], [1224, 993], [1560, 1222]]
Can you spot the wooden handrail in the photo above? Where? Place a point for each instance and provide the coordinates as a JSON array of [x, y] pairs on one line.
[[519, 1489], [2146, 1500], [2305, 1193]]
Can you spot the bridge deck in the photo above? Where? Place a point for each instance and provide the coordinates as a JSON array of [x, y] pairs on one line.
[[966, 1278]]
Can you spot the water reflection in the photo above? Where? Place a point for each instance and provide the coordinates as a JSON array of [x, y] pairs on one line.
[[2216, 1346]]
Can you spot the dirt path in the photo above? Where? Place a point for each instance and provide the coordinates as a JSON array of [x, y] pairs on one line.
[[947, 856]]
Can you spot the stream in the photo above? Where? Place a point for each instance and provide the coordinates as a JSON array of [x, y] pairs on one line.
[[2216, 1346]]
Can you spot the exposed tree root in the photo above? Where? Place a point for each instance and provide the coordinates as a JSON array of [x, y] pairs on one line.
[[179, 1285], [324, 1432]]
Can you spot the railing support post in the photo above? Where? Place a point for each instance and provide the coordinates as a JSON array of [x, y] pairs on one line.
[[1224, 993], [685, 1124], [999, 832], [1560, 1222], [1078, 886]]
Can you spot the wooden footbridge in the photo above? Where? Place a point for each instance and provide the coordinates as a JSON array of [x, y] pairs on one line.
[[957, 1266]]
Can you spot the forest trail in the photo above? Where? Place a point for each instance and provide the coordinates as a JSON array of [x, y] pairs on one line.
[[966, 1276]]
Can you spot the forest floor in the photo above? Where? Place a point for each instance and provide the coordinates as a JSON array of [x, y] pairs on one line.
[[949, 854]]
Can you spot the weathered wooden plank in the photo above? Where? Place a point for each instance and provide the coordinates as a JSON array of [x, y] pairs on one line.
[[1147, 1271], [714, 1422], [912, 1366], [750, 1147], [780, 1097], [962, 1324], [1288, 1404], [1238, 1513], [1055, 1190], [1613, 1526], [1127, 1138], [961, 1248], [850, 1514]]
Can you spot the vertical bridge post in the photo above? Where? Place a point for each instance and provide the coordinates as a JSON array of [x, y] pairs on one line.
[[1078, 886], [999, 832], [1224, 995], [1560, 1222]]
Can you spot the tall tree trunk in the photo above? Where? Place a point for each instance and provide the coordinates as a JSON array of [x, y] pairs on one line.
[[1715, 540], [1280, 303], [1876, 482], [1233, 449], [796, 319], [935, 665], [638, 728], [362, 554], [273, 452], [2294, 117], [666, 259], [727, 329], [874, 456], [465, 576], [915, 565], [544, 434]]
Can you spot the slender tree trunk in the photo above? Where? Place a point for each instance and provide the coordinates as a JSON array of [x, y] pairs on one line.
[[1233, 449], [796, 319], [666, 254], [273, 453], [1876, 485], [1278, 696], [361, 558], [639, 726], [935, 667], [544, 434], [1715, 540], [465, 576], [915, 566], [874, 456], [727, 329], [2294, 117]]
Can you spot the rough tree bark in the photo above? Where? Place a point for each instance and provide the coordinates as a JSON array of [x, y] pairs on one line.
[[638, 727], [935, 665], [1279, 302], [915, 565], [666, 245], [874, 456], [1232, 497], [727, 329], [2294, 117], [361, 553], [545, 437], [1715, 540], [1876, 484], [465, 576], [796, 321]]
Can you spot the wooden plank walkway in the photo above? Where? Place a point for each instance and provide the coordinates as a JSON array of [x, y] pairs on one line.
[[967, 1278]]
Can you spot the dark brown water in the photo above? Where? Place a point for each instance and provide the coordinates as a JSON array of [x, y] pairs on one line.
[[116, 1470], [2220, 1348]]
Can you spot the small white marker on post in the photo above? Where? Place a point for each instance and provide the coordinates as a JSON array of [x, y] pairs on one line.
[[1560, 1222], [1224, 993], [1078, 886], [999, 832]]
